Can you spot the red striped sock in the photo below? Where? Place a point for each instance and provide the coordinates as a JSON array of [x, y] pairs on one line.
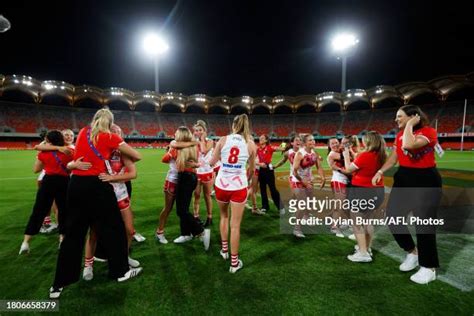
[[225, 246], [47, 220], [89, 262], [160, 232], [234, 259], [134, 231]]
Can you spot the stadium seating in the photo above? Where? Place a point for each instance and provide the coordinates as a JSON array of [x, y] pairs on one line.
[[23, 118]]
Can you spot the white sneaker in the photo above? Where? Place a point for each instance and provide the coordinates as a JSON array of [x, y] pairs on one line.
[[54, 293], [224, 255], [133, 263], [182, 239], [161, 238], [206, 238], [138, 237], [423, 276], [263, 210], [352, 237], [360, 257], [133, 272], [99, 259], [298, 233], [237, 268], [25, 247], [43, 229], [51, 228], [258, 212], [88, 273], [410, 263], [356, 248], [282, 211]]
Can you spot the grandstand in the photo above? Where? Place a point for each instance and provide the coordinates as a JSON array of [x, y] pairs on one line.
[[147, 118]]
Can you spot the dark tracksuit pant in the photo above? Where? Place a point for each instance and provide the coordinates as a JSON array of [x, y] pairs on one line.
[[187, 182], [417, 190], [53, 187], [91, 202], [267, 177]]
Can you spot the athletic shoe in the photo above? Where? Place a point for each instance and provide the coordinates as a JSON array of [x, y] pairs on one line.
[[298, 233], [44, 229], [224, 255], [352, 237], [208, 222], [356, 248], [258, 212], [133, 272], [237, 268], [360, 257], [25, 247], [54, 292], [51, 228], [138, 237], [161, 238], [423, 276], [410, 263], [99, 259], [263, 210], [133, 263], [88, 273], [282, 211], [182, 239], [206, 238]]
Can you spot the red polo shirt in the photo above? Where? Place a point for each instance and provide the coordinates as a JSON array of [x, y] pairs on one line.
[[423, 157], [265, 154], [54, 166], [367, 166], [106, 143]]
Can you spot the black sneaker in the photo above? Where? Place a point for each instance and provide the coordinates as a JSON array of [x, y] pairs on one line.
[[54, 292], [208, 222]]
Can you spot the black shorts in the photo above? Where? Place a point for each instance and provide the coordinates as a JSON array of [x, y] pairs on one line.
[[129, 188]]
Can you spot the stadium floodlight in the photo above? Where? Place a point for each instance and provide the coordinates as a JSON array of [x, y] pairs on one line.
[[4, 24], [343, 44], [154, 45]]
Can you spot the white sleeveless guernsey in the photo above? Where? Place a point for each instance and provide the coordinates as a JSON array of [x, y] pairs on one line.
[[233, 173], [291, 158], [336, 175], [204, 160], [306, 164]]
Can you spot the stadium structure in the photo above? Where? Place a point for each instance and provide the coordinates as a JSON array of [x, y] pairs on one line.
[[29, 106]]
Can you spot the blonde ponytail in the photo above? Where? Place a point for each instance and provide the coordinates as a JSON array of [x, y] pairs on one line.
[[241, 126], [101, 122]]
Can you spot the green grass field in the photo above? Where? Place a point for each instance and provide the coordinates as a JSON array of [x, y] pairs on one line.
[[281, 275]]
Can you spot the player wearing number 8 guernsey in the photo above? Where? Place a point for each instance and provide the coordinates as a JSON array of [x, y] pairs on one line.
[[236, 152]]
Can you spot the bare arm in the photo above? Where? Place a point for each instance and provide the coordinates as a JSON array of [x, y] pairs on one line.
[[320, 171], [38, 166], [181, 145], [79, 164], [216, 155], [129, 175], [127, 150], [251, 162], [391, 161], [45, 146], [332, 162], [282, 161]]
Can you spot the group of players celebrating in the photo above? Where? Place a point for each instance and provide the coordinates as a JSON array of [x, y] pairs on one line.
[[90, 185]]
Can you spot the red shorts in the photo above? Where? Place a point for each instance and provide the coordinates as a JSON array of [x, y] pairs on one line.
[[256, 172], [205, 177], [224, 196], [296, 185], [169, 187], [339, 187]]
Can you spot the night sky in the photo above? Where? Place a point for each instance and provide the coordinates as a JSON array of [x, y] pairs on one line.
[[237, 48]]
